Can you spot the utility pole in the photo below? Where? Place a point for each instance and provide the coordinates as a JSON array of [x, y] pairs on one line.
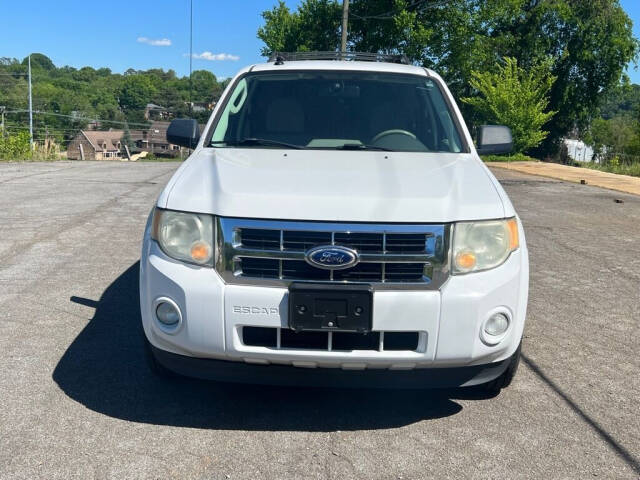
[[190, 59], [2, 109], [345, 21], [30, 108]]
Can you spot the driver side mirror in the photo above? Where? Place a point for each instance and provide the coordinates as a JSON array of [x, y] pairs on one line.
[[494, 139], [184, 132]]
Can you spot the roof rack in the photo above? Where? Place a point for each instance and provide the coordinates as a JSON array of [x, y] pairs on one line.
[[280, 57]]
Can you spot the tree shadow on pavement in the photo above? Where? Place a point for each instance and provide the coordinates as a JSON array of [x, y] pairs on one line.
[[105, 370]]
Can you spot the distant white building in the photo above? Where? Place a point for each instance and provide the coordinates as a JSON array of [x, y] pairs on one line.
[[578, 151]]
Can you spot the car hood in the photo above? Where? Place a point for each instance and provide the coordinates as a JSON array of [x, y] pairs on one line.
[[356, 186]]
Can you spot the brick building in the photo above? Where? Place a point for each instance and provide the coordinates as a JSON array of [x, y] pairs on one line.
[[96, 145]]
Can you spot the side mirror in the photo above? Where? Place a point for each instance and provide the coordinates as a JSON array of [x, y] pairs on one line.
[[184, 132], [494, 139]]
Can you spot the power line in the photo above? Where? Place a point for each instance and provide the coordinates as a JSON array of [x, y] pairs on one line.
[[75, 117], [44, 128]]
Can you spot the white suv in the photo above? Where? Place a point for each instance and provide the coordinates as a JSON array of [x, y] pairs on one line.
[[334, 225]]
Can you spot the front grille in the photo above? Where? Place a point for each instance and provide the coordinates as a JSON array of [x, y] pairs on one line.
[[283, 338], [406, 242], [274, 253], [261, 239], [362, 242], [404, 272], [295, 240]]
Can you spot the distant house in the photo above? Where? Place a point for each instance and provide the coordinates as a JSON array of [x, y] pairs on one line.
[[154, 140], [156, 112], [96, 145]]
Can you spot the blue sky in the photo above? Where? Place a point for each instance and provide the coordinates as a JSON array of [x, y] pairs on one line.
[[633, 10], [112, 33], [144, 34]]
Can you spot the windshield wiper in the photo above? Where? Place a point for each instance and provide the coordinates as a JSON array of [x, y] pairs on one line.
[[257, 141], [361, 146]]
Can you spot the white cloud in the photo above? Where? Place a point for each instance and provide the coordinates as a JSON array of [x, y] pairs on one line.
[[160, 42], [214, 56]]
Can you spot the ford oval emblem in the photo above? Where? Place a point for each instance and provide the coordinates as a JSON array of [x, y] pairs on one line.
[[332, 257]]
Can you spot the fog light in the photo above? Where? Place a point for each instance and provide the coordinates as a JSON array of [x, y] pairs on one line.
[[496, 325], [167, 314]]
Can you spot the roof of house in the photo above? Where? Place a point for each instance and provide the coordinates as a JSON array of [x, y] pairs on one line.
[[104, 141], [158, 132]]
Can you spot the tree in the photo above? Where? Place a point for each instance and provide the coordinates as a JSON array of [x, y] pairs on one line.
[[389, 26], [205, 86], [136, 92], [320, 24], [38, 60], [624, 100], [280, 30], [517, 98], [315, 26], [126, 137], [615, 137]]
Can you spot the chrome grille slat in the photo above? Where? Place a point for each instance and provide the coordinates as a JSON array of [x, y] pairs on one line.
[[364, 257], [272, 253]]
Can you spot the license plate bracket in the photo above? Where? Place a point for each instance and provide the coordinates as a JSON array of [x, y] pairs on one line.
[[320, 307]]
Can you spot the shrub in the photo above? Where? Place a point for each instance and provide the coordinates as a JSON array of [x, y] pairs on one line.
[[517, 98], [15, 147]]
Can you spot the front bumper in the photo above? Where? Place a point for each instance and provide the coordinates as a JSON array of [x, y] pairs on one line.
[[284, 375], [449, 321]]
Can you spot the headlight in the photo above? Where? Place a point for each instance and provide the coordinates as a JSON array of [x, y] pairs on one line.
[[483, 245], [184, 236]]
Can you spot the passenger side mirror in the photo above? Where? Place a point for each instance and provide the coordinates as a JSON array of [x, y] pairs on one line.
[[184, 132], [494, 139]]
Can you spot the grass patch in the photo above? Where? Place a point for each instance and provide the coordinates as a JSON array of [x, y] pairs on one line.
[[34, 159], [517, 157], [632, 169]]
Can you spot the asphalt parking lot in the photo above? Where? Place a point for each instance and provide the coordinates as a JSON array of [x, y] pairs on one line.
[[77, 399]]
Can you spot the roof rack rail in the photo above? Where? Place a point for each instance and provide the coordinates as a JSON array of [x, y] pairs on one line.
[[280, 57]]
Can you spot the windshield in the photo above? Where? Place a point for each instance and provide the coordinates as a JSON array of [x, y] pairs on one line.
[[337, 110]]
